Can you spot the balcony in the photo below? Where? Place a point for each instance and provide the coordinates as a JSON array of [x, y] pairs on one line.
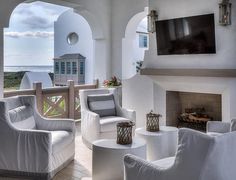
[[56, 102]]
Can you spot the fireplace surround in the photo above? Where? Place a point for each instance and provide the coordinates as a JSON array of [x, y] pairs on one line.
[[143, 93], [192, 110]]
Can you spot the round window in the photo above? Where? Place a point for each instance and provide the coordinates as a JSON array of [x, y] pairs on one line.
[[72, 38]]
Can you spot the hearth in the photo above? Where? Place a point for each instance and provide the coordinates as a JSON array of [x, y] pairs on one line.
[[194, 118], [192, 110]]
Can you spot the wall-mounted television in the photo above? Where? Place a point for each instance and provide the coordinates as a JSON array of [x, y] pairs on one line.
[[188, 35]]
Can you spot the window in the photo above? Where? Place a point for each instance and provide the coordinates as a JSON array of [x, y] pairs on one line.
[[56, 67], [62, 67], [68, 68], [74, 68], [81, 68], [72, 38], [143, 40]]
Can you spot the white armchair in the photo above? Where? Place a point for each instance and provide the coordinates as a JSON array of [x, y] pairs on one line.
[[217, 127], [199, 157], [94, 127], [33, 146]]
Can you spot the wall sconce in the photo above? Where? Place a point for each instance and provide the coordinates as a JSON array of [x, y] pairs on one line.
[[152, 18], [225, 13]]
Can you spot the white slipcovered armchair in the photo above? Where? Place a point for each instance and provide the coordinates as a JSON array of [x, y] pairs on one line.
[[30, 145], [199, 157], [95, 126], [217, 127]]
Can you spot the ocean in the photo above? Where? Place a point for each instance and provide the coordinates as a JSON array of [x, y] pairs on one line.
[[28, 68]]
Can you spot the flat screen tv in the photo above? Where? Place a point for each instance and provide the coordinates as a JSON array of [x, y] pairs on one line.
[[188, 35]]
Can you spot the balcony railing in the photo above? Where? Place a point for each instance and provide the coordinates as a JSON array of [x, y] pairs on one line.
[[56, 102]]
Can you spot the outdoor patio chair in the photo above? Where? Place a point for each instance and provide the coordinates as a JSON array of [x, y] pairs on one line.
[[199, 157], [100, 112], [30, 145], [215, 128]]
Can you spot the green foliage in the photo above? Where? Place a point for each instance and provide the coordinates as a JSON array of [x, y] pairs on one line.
[[114, 81], [138, 65], [12, 80]]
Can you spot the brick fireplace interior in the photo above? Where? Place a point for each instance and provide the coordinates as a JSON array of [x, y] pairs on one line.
[[192, 110]]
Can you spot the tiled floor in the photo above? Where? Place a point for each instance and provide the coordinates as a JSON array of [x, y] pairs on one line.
[[80, 168]]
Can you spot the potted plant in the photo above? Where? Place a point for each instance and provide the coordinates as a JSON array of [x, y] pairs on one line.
[[114, 82]]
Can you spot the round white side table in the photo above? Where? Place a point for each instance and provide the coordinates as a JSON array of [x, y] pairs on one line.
[[107, 157], [160, 144]]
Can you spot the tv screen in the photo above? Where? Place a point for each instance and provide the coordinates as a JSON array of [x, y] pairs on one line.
[[188, 35]]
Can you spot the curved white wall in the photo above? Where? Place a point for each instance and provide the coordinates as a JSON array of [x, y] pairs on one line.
[[131, 52], [72, 22]]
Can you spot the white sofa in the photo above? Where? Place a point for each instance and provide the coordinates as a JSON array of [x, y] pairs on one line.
[[32, 146], [217, 127], [199, 157], [94, 127]]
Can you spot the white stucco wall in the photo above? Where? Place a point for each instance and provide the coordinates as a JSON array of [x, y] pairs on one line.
[[122, 12], [225, 36], [130, 45], [72, 22], [138, 95], [224, 58], [143, 93]]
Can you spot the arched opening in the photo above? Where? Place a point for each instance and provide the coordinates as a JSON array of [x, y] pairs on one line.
[[27, 51], [29, 40], [134, 44]]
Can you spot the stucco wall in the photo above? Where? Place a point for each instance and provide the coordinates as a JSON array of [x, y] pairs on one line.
[[225, 36], [122, 12]]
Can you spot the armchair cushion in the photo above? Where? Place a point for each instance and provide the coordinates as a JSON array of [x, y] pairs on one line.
[[109, 123], [103, 105], [22, 117], [165, 163], [60, 140]]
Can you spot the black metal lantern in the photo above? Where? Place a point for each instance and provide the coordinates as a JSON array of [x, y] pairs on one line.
[[225, 12], [152, 18]]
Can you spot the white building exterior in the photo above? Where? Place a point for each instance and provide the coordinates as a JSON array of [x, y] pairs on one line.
[[71, 22], [69, 67], [30, 78], [63, 27]]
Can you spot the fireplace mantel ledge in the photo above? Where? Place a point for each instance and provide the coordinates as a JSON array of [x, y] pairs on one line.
[[189, 72]]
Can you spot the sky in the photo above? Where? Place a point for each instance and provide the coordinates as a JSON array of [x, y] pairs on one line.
[[29, 40]]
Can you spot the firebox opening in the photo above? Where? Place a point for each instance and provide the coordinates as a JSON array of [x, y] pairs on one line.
[[192, 110]]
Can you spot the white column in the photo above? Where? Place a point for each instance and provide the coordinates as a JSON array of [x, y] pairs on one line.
[[101, 60], [1, 62]]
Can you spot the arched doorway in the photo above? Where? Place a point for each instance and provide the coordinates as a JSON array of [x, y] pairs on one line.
[[97, 37], [134, 44], [29, 40]]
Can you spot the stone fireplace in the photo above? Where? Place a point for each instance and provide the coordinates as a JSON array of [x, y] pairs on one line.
[[192, 110]]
